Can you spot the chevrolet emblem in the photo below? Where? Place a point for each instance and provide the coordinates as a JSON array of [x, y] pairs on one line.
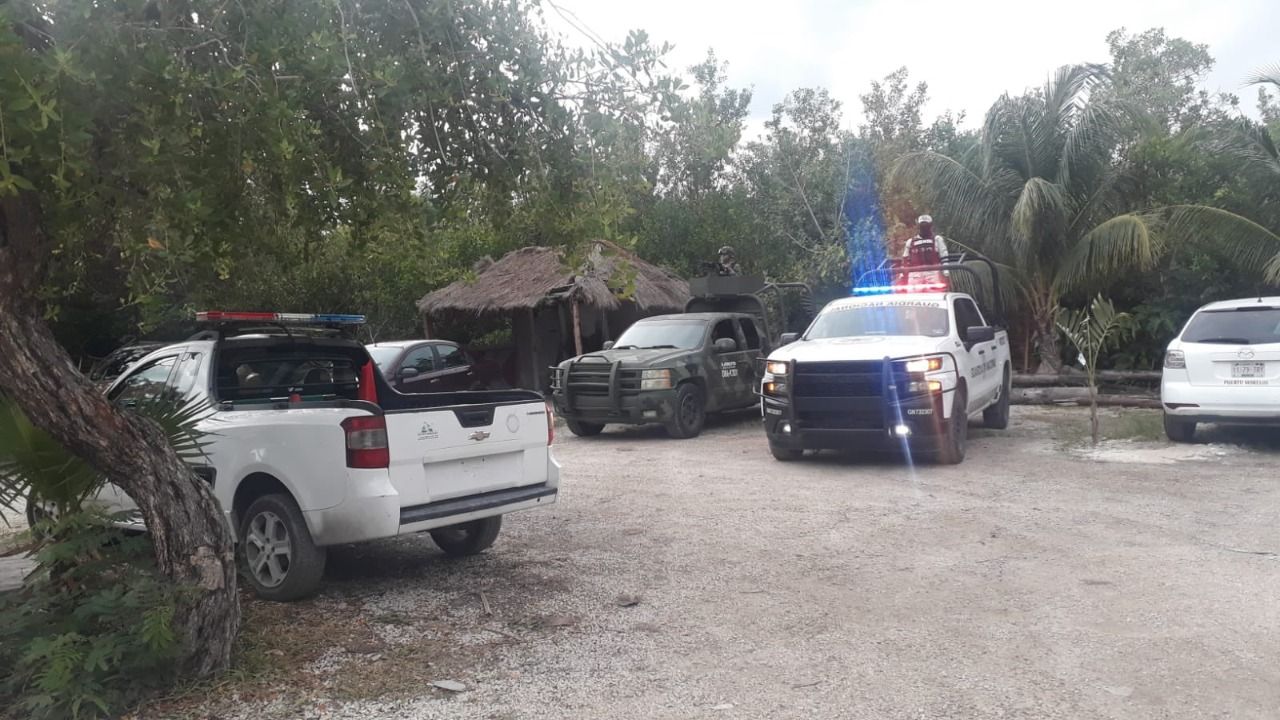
[[479, 435]]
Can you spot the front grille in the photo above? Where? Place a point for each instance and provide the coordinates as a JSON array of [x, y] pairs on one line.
[[592, 380], [861, 378], [845, 395], [589, 378]]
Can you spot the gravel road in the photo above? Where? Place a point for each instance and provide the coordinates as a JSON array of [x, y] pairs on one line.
[[1033, 581]]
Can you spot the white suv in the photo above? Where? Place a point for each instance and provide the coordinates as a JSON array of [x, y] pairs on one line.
[[1224, 368]]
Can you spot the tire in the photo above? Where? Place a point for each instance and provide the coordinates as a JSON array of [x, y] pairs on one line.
[[274, 521], [1178, 430], [954, 442], [471, 538], [690, 413], [782, 454], [584, 429], [996, 416]]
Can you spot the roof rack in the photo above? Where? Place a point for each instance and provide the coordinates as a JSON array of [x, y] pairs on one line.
[[881, 276]]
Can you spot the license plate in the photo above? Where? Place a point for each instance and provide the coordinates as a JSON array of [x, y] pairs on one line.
[[1248, 370]]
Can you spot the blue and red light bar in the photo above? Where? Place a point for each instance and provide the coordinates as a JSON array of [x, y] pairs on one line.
[[917, 288], [272, 317]]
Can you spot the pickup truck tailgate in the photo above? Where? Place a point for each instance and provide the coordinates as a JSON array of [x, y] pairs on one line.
[[452, 452]]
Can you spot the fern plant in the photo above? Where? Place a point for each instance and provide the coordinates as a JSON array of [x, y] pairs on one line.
[[91, 638], [1092, 331]]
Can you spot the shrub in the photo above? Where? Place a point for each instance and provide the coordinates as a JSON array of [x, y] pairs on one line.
[[90, 632]]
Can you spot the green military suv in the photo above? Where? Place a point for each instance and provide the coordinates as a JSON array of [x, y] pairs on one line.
[[669, 369]]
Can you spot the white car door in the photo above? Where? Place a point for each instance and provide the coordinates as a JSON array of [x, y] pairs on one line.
[[985, 374]]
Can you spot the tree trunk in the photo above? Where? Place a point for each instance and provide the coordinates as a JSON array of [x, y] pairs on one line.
[[1093, 410], [192, 543], [1048, 350]]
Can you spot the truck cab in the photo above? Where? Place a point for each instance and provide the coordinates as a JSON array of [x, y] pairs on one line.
[[888, 365], [668, 369]]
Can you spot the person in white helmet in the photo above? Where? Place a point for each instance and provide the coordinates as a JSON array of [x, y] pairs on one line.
[[924, 250]]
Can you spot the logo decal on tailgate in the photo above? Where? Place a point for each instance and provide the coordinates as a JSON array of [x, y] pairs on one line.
[[427, 432]]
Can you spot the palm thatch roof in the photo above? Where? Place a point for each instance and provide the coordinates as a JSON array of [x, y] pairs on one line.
[[532, 276]]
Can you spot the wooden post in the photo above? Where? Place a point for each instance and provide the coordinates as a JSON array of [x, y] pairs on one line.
[[604, 325], [577, 329], [535, 379], [426, 327]]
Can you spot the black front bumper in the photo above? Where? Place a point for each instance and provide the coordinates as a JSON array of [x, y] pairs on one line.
[[649, 406]]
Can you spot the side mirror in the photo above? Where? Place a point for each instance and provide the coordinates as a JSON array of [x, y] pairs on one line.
[[608, 345], [408, 372], [980, 333], [726, 345], [788, 338]]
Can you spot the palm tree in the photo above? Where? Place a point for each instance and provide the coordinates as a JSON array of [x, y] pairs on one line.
[[1046, 194]]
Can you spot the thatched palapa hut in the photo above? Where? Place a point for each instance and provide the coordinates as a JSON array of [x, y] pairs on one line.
[[552, 298]]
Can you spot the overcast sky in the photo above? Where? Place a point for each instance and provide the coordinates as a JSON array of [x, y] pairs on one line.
[[968, 52]]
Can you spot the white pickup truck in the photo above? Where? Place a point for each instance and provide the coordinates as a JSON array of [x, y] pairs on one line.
[[908, 366], [310, 447]]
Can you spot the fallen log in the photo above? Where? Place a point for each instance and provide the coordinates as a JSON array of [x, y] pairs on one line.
[[1078, 396], [1107, 377]]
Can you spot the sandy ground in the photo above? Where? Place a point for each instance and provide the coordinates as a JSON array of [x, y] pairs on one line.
[[702, 579]]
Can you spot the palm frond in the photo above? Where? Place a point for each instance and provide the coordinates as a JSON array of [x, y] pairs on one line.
[[1249, 142], [181, 425], [1125, 242], [1269, 75], [1090, 143], [1246, 242], [33, 463], [1092, 330], [1038, 216], [953, 191]]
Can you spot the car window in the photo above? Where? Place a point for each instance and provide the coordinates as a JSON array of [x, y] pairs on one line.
[[384, 355], [724, 329], [270, 375], [184, 377], [146, 384], [750, 334], [421, 359], [967, 315], [889, 318], [685, 335], [450, 356], [1249, 325]]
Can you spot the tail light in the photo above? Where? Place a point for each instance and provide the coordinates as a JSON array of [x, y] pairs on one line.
[[551, 425], [367, 442]]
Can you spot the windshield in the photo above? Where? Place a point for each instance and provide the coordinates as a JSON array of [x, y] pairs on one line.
[[880, 320], [383, 355], [1241, 326], [680, 335]]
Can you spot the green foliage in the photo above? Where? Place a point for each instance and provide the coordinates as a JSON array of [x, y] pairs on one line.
[[92, 630], [1091, 331], [34, 465]]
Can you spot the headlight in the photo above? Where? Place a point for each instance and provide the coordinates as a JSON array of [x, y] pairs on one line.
[[655, 379], [1175, 360], [774, 367], [775, 388], [920, 387], [924, 365]]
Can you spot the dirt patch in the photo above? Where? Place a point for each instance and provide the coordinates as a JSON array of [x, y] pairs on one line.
[[1146, 453], [702, 579]]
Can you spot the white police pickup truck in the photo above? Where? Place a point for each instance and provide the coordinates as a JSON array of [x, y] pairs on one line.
[[310, 447], [889, 365]]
